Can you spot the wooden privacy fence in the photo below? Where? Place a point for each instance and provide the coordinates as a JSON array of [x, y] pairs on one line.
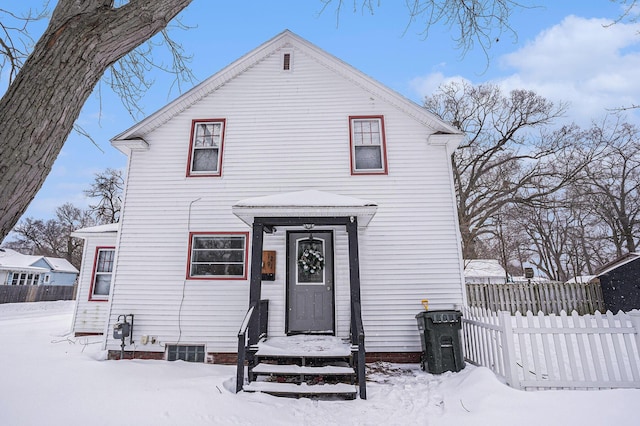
[[548, 297], [555, 352], [35, 293]]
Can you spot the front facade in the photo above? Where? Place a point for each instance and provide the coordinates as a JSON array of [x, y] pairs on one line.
[[293, 178]]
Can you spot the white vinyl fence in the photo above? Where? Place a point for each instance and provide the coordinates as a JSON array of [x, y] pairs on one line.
[[563, 351]]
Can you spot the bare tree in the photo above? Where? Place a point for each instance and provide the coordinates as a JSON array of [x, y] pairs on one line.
[[472, 22], [611, 182], [107, 188], [37, 112], [53, 237], [502, 161]]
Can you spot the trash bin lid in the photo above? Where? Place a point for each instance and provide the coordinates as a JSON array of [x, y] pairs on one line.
[[443, 316]]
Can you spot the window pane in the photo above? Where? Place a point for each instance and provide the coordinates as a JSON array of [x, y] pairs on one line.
[[214, 255], [207, 135], [105, 261], [101, 285], [368, 158], [218, 256], [218, 242], [213, 269], [205, 160], [309, 250]]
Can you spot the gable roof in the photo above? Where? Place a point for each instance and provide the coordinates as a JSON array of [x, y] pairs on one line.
[[623, 260], [134, 136], [60, 265], [13, 260]]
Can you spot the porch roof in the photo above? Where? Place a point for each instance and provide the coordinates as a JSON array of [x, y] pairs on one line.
[[308, 203]]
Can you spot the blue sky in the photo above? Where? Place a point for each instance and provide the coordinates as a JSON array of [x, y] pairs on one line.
[[562, 51]]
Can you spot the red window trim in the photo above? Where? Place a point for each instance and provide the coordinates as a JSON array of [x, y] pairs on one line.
[[93, 274], [218, 278], [193, 127], [385, 168]]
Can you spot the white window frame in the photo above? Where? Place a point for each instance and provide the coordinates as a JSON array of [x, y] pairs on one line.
[[93, 296], [198, 143], [360, 138], [194, 250]]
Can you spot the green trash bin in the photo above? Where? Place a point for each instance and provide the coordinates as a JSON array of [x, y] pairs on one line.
[[440, 336]]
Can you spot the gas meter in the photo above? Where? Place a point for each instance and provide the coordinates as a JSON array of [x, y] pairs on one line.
[[123, 329]]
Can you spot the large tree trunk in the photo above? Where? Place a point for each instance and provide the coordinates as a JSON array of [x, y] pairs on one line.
[[37, 113]]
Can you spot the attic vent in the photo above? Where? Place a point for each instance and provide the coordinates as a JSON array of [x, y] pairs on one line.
[[286, 62]]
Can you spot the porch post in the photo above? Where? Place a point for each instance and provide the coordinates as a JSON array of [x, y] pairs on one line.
[[256, 262], [354, 265], [255, 282], [357, 328]]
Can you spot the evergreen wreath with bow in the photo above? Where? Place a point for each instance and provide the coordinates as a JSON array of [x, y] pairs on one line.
[[311, 261]]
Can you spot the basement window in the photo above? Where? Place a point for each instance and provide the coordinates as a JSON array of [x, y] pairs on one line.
[[188, 353]]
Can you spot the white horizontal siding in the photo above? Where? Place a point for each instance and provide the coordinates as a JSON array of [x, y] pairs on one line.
[[90, 316], [286, 132]]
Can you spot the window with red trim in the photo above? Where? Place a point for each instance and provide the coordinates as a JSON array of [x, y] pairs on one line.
[[102, 273], [217, 256], [205, 148], [368, 146]]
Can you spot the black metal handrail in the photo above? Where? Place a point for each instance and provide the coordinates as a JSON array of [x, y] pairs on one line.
[[357, 339], [254, 327]]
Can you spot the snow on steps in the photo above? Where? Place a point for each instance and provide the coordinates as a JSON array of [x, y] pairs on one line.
[[325, 370], [303, 365], [302, 389]]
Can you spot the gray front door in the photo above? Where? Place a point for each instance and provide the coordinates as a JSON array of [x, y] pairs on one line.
[[310, 287]]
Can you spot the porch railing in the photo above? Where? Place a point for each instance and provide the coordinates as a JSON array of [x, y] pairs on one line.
[[357, 346], [253, 328]]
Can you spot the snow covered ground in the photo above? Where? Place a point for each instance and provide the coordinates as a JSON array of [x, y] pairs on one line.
[[48, 377]]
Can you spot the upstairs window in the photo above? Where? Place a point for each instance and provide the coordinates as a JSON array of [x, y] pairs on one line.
[[102, 272], [218, 256], [205, 152], [368, 148]]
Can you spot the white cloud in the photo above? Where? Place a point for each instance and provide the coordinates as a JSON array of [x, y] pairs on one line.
[[428, 84], [582, 61]]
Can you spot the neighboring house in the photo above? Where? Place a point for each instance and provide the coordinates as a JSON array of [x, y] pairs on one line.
[[94, 282], [291, 177], [484, 271], [581, 279], [22, 269], [620, 283]]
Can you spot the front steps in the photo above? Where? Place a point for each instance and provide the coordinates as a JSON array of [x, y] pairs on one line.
[[303, 366]]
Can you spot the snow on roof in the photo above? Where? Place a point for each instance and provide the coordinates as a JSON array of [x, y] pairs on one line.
[[581, 279], [100, 229], [308, 203], [13, 260], [308, 198], [60, 265], [483, 268]]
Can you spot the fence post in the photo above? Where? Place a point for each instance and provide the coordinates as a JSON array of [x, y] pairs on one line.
[[635, 321], [508, 350]]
